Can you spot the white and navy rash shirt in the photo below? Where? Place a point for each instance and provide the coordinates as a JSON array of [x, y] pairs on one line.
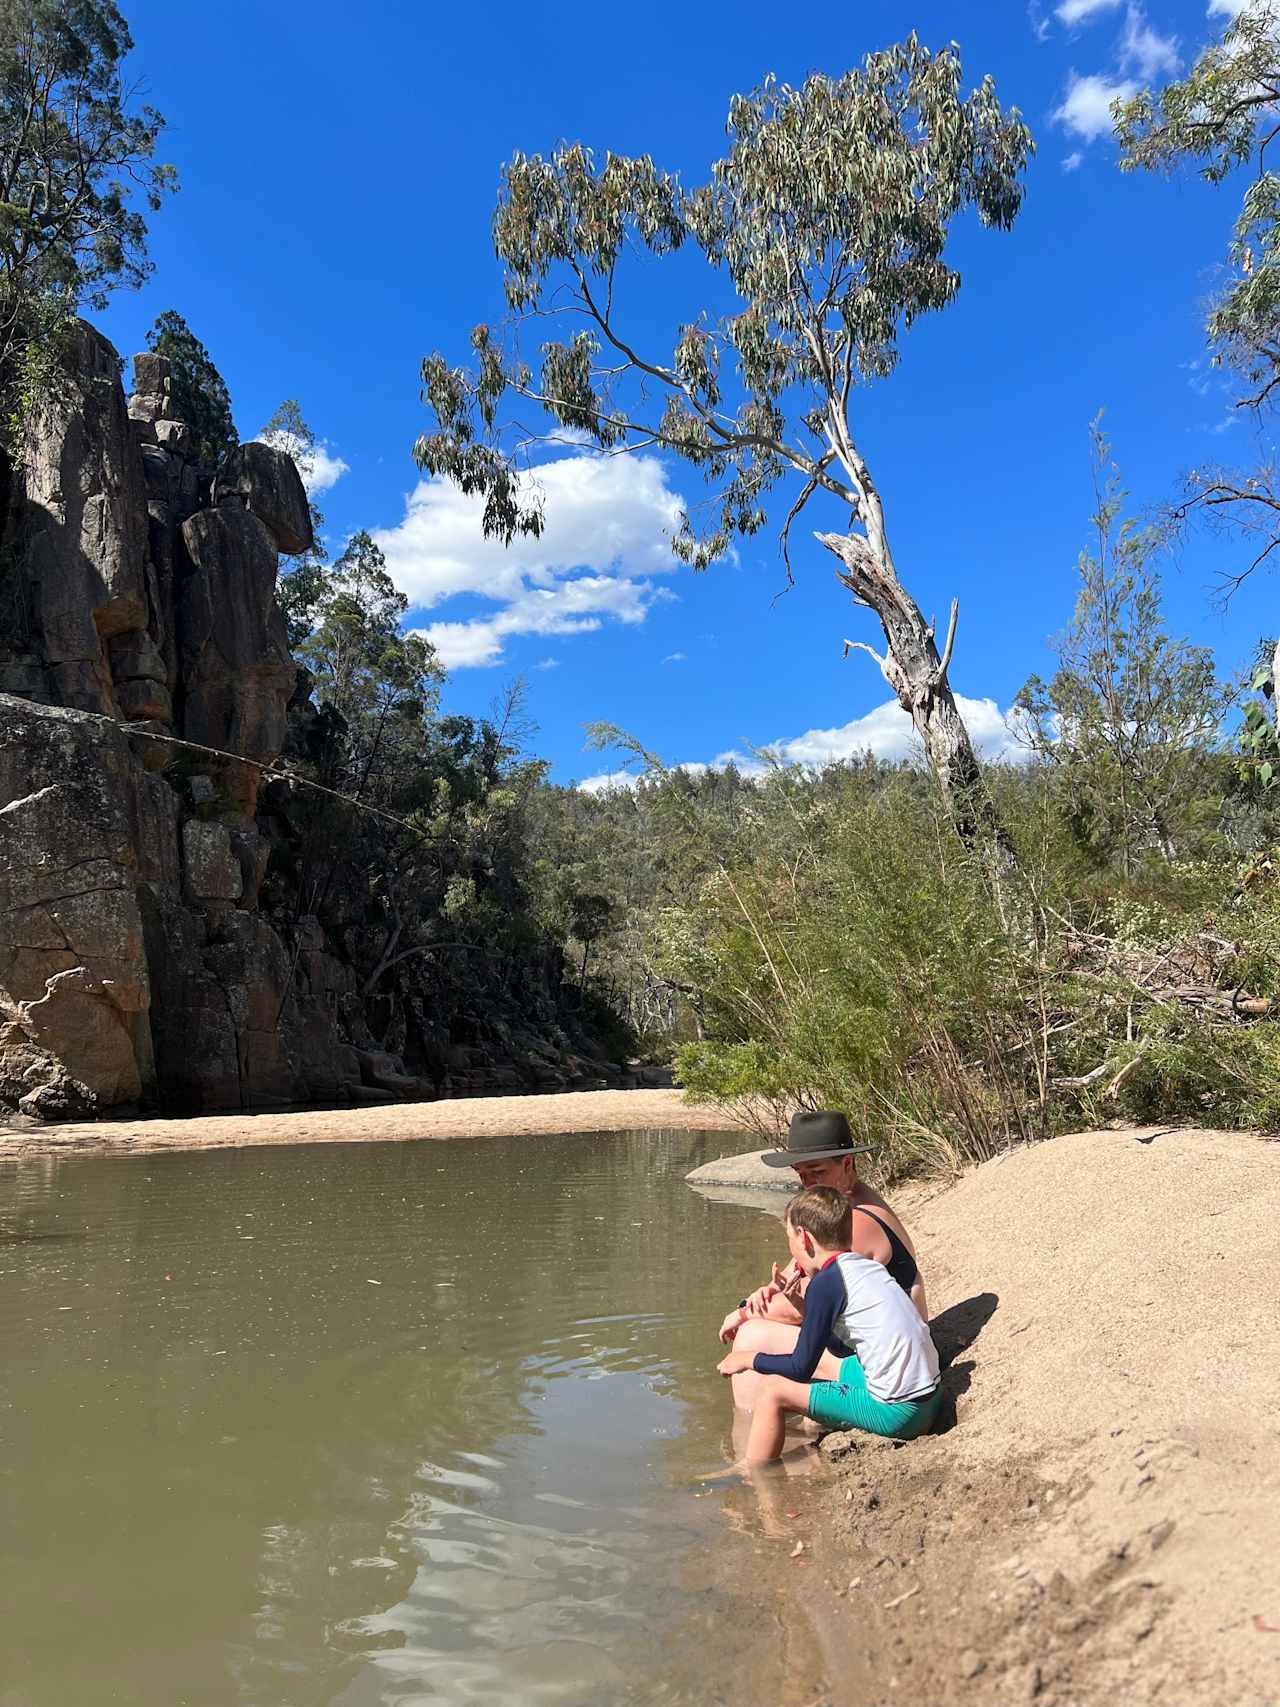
[[854, 1308]]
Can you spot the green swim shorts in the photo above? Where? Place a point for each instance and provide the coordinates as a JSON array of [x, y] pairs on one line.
[[846, 1403]]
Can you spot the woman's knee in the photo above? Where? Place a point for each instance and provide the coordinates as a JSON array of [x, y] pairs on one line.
[[757, 1333]]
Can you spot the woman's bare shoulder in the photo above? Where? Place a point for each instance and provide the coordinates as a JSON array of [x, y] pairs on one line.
[[867, 1197]]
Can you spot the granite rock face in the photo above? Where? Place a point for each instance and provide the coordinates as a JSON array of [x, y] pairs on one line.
[[77, 828], [233, 650], [78, 537], [158, 947], [265, 480]]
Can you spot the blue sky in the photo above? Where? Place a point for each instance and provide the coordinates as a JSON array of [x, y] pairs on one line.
[[338, 179]]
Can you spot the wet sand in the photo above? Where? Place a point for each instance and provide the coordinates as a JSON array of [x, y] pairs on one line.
[[454, 1117]]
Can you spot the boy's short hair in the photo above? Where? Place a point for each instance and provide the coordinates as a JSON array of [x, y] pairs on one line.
[[825, 1214]]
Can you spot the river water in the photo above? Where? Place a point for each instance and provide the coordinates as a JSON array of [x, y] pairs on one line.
[[345, 1426]]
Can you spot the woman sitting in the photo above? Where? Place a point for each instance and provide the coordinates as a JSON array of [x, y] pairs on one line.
[[886, 1376], [821, 1150]]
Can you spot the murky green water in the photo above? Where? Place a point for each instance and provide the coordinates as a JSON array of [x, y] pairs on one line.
[[370, 1424]]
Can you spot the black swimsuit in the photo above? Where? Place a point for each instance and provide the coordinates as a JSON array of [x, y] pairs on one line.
[[901, 1265]]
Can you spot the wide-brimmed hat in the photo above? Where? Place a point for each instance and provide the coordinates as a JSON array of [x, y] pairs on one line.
[[815, 1135]]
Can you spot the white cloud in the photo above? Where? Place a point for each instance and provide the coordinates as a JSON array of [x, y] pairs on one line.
[[1040, 28], [1073, 161], [674, 658], [319, 467], [601, 513], [887, 732], [1086, 110], [610, 516], [1079, 11], [1227, 8], [547, 664], [325, 470], [606, 782], [574, 606], [1144, 51]]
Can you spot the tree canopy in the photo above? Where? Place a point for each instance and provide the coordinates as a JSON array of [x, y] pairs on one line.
[[73, 157], [828, 218]]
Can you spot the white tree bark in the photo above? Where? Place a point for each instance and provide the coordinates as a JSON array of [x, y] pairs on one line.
[[917, 673]]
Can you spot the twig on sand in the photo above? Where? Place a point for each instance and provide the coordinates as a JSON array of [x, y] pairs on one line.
[[890, 1604]]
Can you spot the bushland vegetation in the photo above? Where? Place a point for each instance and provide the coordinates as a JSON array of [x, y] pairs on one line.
[[809, 938]]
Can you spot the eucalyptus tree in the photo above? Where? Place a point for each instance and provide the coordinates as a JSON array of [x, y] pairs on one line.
[[1222, 117], [1130, 721], [76, 160], [828, 216]]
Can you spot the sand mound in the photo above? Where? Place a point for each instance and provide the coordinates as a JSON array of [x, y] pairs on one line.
[[1104, 1521]]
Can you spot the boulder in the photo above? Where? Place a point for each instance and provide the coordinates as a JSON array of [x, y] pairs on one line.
[[746, 1172], [174, 436], [266, 481], [152, 374], [74, 986]]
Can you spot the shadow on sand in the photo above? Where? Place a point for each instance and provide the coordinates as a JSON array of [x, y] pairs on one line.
[[954, 1331]]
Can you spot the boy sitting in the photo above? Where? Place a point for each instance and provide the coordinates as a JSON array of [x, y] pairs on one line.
[[888, 1379]]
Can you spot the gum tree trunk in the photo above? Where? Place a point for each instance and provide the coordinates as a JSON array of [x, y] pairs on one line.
[[917, 673]]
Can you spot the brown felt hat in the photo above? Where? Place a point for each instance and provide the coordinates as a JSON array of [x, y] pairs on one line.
[[815, 1135]]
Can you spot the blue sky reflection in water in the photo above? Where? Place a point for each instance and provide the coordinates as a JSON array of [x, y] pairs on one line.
[[367, 1424]]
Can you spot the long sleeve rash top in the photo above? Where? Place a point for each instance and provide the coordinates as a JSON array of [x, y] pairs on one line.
[[854, 1308]]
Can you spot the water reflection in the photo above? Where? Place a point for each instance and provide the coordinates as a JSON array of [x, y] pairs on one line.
[[359, 1425]]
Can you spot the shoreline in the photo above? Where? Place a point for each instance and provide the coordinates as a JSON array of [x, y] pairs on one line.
[[383, 1123]]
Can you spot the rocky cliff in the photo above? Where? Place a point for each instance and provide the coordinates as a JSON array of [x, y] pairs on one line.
[[153, 949]]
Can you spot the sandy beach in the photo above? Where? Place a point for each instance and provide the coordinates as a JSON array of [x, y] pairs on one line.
[[453, 1117], [1100, 1525]]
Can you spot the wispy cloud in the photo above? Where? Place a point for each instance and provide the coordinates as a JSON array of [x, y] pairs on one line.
[[1227, 8], [1073, 161], [547, 664], [674, 658], [608, 528], [1146, 52], [580, 605], [1040, 26], [1079, 11]]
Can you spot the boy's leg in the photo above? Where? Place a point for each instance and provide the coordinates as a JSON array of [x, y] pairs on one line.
[[776, 1398]]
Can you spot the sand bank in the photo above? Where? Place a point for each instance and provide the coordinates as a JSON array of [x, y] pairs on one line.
[[1103, 1522], [455, 1117]]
